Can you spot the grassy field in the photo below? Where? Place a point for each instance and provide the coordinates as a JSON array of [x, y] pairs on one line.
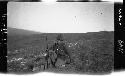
[[91, 52]]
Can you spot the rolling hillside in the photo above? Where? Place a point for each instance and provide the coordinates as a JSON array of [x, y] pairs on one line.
[[90, 52], [18, 38], [15, 31]]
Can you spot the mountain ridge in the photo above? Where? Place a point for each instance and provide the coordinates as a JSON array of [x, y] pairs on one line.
[[15, 31]]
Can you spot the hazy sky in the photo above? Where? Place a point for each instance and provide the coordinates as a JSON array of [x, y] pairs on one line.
[[61, 17]]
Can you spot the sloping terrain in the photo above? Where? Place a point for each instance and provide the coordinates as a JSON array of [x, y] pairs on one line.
[[90, 52], [20, 32]]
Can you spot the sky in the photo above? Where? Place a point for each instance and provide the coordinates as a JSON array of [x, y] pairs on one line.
[[61, 17]]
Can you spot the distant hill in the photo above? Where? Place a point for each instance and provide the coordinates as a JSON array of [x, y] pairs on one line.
[[15, 31], [18, 38]]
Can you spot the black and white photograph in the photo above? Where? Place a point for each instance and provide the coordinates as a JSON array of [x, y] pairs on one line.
[[74, 38], [62, 37]]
